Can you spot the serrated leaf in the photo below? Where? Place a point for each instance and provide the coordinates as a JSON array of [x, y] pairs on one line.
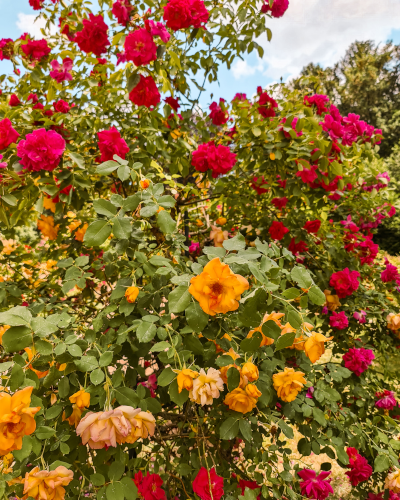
[[104, 207], [229, 429], [123, 172], [301, 276], [179, 299], [238, 242], [146, 331], [316, 296], [97, 233], [107, 167]]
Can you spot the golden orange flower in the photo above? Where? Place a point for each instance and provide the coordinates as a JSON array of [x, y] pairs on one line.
[[392, 481], [275, 317], [49, 204], [224, 375], [6, 463], [314, 346], [221, 221], [239, 400], [144, 184], [47, 228], [218, 236], [332, 301], [393, 322], [74, 224], [185, 379], [199, 223], [206, 387], [288, 384], [252, 390], [50, 264], [143, 426], [79, 235], [9, 246], [131, 294], [75, 416], [30, 357], [16, 419], [250, 371], [217, 288], [81, 399], [46, 485], [3, 330], [287, 329]]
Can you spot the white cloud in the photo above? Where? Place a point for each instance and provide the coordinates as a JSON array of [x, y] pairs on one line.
[[27, 24], [242, 68], [320, 31]]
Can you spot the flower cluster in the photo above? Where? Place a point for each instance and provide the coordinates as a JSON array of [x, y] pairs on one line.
[[358, 360], [360, 470], [182, 14], [219, 159]]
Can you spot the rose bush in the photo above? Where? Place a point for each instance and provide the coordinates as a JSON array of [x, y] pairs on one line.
[[179, 288]]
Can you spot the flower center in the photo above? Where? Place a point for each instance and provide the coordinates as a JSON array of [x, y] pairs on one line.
[[217, 288]]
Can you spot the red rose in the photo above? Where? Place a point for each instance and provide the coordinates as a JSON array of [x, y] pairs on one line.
[[312, 226], [7, 134], [14, 101], [41, 150], [218, 115], [173, 103], [149, 486], [208, 156], [145, 93], [111, 143], [122, 11], [199, 13], [257, 184], [35, 49], [278, 230], [140, 47], [339, 320], [297, 248], [61, 106], [206, 481], [93, 37], [266, 105], [252, 485], [279, 202], [181, 14], [6, 48], [36, 4], [279, 7], [345, 282]]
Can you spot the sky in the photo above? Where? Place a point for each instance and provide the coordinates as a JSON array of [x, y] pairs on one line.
[[316, 31]]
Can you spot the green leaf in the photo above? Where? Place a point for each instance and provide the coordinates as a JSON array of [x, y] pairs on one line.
[[304, 447], [165, 222], [149, 210], [251, 344], [5, 366], [301, 276], [160, 346], [146, 331], [97, 233], [97, 479], [294, 318], [116, 470], [78, 159], [9, 199], [245, 429], [233, 378], [178, 397], [179, 299], [104, 207], [166, 201], [196, 318], [271, 329], [153, 405], [131, 203], [44, 432], [285, 340], [158, 261], [16, 316], [25, 451], [291, 293], [342, 455], [381, 463], [224, 360], [17, 377], [286, 429], [126, 396], [123, 172], [133, 80], [107, 167], [319, 416], [316, 296], [43, 328], [194, 345], [236, 243], [86, 363], [17, 338], [106, 358], [229, 429], [130, 489], [115, 491], [63, 387], [97, 376], [166, 377], [122, 227]]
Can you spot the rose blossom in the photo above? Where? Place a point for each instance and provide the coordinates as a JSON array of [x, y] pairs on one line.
[[149, 486], [257, 184], [387, 400], [279, 203], [60, 72], [339, 320], [208, 156], [360, 316], [111, 143], [8, 135], [312, 226], [278, 230], [122, 9], [390, 273], [358, 360], [35, 49], [297, 248], [6, 48], [61, 106], [206, 481], [313, 485], [14, 100], [140, 47], [173, 103], [360, 470], [181, 14], [266, 104], [279, 7], [194, 248], [158, 29], [41, 150], [218, 115], [319, 100], [345, 282], [93, 37], [145, 93]]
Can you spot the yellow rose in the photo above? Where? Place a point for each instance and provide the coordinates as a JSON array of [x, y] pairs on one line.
[[221, 221], [250, 371], [392, 481], [75, 416], [185, 379], [314, 346], [252, 391], [288, 384], [393, 322], [239, 400], [81, 399], [217, 288], [49, 204], [143, 426], [131, 294]]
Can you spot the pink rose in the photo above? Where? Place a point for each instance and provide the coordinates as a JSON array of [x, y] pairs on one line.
[[41, 150], [111, 143]]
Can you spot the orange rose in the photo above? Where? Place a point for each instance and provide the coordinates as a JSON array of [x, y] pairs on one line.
[[75, 416], [143, 426], [16, 419], [49, 204], [3, 330], [224, 375], [46, 485], [131, 294], [252, 390], [185, 379], [81, 399], [30, 357], [218, 236], [288, 384], [332, 301], [217, 288], [144, 184], [314, 346], [393, 322], [221, 221], [47, 228], [250, 371], [239, 400], [74, 224], [79, 235], [275, 317], [107, 428], [199, 223]]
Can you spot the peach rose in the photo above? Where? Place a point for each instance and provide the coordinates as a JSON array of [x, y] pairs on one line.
[[392, 481], [16, 419], [206, 387], [46, 485], [143, 426], [218, 236]]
